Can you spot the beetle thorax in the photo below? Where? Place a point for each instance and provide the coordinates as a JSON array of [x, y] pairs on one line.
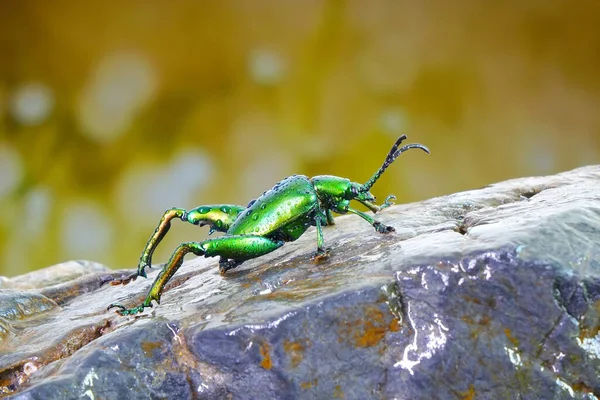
[[330, 189]]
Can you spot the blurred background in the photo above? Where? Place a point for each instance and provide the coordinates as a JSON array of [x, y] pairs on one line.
[[112, 111]]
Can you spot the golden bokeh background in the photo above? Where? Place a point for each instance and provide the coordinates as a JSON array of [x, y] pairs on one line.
[[113, 111]]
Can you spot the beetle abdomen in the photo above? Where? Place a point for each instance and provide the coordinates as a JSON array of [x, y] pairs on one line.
[[289, 200]]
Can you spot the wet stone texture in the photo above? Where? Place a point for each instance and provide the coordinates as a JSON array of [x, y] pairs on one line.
[[487, 294]]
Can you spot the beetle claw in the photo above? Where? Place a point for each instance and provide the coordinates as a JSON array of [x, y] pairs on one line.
[[383, 229], [388, 202], [126, 311], [116, 305], [320, 255]]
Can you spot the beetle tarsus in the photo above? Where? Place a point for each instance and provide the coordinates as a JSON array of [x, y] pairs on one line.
[[388, 202], [127, 311], [225, 265], [320, 254], [116, 305], [383, 229]]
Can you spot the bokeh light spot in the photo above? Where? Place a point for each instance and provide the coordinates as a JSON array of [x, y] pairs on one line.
[[32, 104], [149, 189], [264, 172], [87, 231], [266, 67], [393, 121], [38, 204], [11, 169], [122, 84]]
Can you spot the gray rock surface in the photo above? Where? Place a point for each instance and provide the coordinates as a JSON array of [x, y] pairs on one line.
[[486, 294]]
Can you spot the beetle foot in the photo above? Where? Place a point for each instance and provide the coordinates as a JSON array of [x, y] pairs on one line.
[[383, 229], [127, 311], [226, 265], [124, 279], [388, 202], [320, 255]]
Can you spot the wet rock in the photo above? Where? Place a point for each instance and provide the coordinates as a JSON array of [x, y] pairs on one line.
[[59, 273], [491, 293]]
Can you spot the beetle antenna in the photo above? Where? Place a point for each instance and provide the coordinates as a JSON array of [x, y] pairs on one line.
[[391, 157]]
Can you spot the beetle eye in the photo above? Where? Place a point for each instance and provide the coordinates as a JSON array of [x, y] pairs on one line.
[[354, 190]]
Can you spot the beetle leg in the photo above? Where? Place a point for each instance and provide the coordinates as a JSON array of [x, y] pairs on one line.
[[161, 280], [225, 265], [379, 227], [388, 202], [329, 215], [236, 247], [159, 233], [321, 251], [374, 207], [219, 217]]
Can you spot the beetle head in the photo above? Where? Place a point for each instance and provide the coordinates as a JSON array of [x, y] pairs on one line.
[[336, 193], [356, 191]]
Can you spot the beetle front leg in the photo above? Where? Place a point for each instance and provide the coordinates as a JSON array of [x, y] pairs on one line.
[[379, 227], [374, 207], [388, 202]]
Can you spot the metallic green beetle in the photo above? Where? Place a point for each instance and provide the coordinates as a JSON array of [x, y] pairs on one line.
[[280, 215]]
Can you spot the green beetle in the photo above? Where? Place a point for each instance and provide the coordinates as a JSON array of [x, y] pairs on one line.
[[282, 214]]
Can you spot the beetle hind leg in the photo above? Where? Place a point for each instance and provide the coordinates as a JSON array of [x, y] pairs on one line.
[[238, 248], [219, 217], [163, 277]]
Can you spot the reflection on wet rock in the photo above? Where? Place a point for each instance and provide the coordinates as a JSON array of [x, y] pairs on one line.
[[491, 293]]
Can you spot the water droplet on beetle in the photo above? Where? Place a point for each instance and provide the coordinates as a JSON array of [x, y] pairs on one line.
[[263, 206], [225, 209], [255, 217]]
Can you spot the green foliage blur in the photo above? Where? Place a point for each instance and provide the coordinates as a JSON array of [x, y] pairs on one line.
[[112, 112]]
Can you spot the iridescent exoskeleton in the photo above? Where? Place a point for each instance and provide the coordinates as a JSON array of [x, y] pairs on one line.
[[282, 214]]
